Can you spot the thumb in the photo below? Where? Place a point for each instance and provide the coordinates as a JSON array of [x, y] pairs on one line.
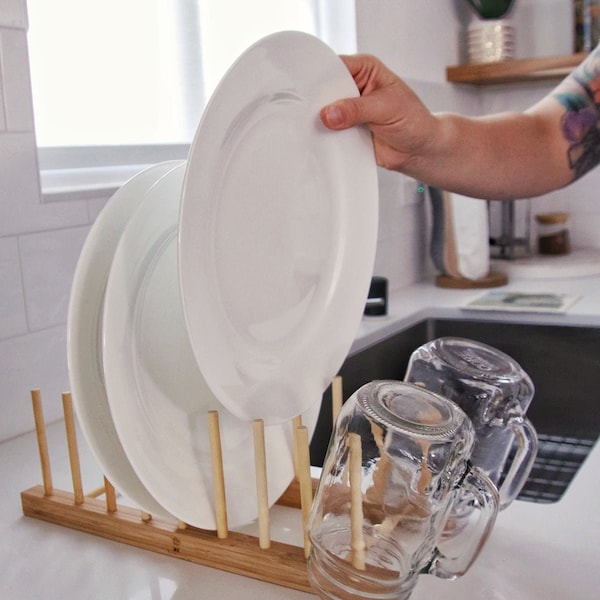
[[343, 114]]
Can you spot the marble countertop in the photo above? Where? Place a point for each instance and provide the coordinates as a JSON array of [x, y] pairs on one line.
[[535, 551]]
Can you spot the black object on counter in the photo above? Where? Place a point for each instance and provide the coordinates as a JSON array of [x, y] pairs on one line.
[[377, 300]]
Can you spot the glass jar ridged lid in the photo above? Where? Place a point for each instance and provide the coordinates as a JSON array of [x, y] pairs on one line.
[[408, 408]]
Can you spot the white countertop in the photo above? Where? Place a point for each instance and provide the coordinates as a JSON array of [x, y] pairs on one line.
[[423, 300], [536, 551]]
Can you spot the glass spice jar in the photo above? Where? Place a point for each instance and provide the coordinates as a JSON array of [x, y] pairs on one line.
[[553, 234]]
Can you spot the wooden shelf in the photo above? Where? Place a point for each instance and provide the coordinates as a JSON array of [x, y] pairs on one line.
[[515, 71]]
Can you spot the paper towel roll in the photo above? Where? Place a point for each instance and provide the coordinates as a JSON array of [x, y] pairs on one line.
[[460, 236]]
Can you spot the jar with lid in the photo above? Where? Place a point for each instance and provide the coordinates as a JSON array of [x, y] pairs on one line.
[[553, 233]]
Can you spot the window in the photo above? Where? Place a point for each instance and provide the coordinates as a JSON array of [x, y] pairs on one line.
[[124, 82]]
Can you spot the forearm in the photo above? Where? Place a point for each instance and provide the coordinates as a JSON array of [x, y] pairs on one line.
[[505, 156]]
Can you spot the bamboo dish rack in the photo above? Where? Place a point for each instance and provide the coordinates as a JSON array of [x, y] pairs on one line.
[[256, 557]]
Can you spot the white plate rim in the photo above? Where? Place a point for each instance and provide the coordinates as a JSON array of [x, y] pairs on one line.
[[84, 324]]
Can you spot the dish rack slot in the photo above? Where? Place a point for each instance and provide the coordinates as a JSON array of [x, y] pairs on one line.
[[256, 557]]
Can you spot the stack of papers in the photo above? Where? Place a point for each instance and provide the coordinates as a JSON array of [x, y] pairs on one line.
[[522, 302]]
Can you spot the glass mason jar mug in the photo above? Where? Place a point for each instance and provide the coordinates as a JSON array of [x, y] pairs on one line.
[[398, 460], [495, 392]]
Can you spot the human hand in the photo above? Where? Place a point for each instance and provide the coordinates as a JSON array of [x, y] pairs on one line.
[[401, 126]]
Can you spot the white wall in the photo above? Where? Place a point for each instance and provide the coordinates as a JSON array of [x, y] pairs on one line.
[[39, 247], [417, 40], [40, 242]]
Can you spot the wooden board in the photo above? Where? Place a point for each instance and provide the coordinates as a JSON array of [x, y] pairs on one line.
[[281, 564], [491, 280]]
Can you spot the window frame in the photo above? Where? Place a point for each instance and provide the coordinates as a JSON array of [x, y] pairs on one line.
[[89, 172], [85, 172]]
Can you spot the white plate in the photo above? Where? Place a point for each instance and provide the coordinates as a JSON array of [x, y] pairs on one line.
[[158, 398], [278, 230], [84, 336]]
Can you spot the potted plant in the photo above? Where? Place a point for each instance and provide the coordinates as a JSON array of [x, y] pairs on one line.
[[491, 9]]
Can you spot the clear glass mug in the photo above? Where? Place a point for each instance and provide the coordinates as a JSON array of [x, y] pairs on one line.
[[495, 392], [398, 460]]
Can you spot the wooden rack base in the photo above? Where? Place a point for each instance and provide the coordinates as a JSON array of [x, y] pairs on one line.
[[282, 564], [234, 552]]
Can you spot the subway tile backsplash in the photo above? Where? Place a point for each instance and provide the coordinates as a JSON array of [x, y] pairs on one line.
[[39, 247], [48, 262], [13, 320], [35, 360]]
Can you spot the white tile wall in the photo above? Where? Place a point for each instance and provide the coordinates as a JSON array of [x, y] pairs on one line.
[[48, 262], [13, 320], [39, 243], [35, 360], [13, 13], [403, 257], [2, 109], [416, 39], [16, 81]]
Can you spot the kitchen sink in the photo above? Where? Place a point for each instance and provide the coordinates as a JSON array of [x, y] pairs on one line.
[[562, 360]]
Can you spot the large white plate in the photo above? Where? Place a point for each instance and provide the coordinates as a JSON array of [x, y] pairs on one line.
[[278, 230], [84, 336], [158, 397]]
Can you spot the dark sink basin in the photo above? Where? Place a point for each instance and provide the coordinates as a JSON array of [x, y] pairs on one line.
[[562, 361]]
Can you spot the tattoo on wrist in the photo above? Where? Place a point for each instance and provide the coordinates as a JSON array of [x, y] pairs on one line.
[[581, 120]]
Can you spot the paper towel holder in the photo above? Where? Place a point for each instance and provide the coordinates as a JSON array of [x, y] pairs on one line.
[[444, 247], [510, 229]]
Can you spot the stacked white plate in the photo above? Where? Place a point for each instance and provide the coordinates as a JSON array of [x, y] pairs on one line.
[[234, 281], [490, 41]]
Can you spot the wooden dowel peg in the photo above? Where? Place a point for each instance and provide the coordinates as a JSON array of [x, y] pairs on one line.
[[337, 397], [42, 440], [72, 447], [96, 492], [111, 496], [262, 496], [296, 422], [305, 482], [146, 517], [357, 542], [216, 454]]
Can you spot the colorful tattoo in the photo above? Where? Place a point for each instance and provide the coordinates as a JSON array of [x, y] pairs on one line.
[[581, 121]]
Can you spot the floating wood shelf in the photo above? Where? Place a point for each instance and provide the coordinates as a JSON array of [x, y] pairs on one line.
[[515, 71]]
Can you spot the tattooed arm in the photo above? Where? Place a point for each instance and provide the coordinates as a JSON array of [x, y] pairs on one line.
[[503, 156], [579, 95]]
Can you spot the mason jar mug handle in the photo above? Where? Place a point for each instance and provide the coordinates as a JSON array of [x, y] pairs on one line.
[[454, 557], [520, 466]]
